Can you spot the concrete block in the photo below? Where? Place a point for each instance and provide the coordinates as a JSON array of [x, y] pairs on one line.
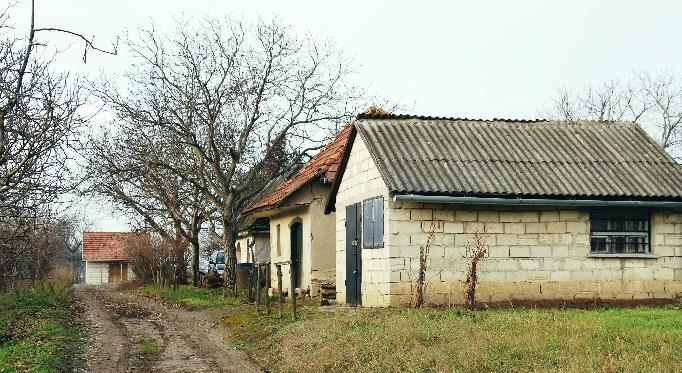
[[569, 215], [549, 216], [434, 225], [528, 239], [507, 264], [541, 251], [454, 227], [494, 228], [556, 227], [530, 216], [673, 239], [538, 275], [576, 227], [536, 228], [466, 215], [527, 264], [514, 228], [560, 251], [407, 227], [560, 276], [498, 252], [474, 227], [444, 215], [664, 274], [664, 250], [421, 214], [488, 216], [510, 216], [507, 239], [519, 251], [399, 214]]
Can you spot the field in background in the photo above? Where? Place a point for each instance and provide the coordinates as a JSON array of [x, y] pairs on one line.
[[340, 339], [38, 330]]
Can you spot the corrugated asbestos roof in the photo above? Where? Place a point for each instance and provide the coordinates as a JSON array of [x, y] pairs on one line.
[[326, 163], [424, 155]]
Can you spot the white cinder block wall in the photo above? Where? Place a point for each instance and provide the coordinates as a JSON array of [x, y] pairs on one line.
[[361, 180], [97, 273], [533, 254]]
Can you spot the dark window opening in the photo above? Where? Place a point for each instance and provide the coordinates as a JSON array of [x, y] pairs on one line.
[[619, 233], [373, 223]]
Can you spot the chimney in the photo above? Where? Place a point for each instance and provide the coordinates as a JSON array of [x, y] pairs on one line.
[[375, 110]]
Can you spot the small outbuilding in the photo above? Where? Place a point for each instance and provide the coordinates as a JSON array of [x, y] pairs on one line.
[[568, 210], [253, 241], [301, 235], [106, 261]]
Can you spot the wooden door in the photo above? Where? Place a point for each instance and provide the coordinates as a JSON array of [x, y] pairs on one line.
[[118, 272], [296, 253], [353, 255]]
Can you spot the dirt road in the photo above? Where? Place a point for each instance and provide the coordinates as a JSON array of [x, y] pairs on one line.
[[131, 333]]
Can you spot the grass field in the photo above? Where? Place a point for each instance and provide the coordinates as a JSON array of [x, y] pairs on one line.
[[38, 332], [339, 339], [190, 296]]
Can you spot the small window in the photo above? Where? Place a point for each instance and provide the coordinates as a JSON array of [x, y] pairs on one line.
[[279, 243], [220, 257], [373, 223], [619, 233]]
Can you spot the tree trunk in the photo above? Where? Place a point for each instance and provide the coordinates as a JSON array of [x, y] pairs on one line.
[[195, 261], [230, 272]]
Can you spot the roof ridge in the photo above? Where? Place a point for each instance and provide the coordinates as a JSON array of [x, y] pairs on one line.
[[361, 116]]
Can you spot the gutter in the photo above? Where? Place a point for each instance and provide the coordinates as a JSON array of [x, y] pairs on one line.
[[534, 201]]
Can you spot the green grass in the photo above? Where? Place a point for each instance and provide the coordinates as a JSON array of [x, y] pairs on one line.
[[149, 346], [340, 339], [191, 296], [37, 330]]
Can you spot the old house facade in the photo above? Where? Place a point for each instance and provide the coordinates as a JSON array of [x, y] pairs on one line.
[[568, 211], [105, 258], [253, 241], [301, 234]]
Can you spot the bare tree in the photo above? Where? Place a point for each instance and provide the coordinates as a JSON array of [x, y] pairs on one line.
[[40, 120], [121, 166], [232, 95], [474, 253], [651, 100]]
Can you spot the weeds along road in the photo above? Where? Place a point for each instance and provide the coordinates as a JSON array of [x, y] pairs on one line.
[[131, 333]]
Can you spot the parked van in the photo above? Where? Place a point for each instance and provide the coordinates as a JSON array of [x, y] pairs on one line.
[[217, 262]]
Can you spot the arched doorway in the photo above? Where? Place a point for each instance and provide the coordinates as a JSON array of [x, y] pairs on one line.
[[296, 228]]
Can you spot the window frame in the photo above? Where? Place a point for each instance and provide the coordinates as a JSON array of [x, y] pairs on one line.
[[608, 235], [373, 243]]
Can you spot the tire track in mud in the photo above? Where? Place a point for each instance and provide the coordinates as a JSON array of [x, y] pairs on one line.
[[187, 340]]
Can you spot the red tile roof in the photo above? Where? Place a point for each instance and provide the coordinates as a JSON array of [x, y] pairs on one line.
[[105, 245], [326, 163]]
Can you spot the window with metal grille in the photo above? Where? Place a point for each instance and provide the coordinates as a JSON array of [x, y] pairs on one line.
[[614, 233], [373, 223]]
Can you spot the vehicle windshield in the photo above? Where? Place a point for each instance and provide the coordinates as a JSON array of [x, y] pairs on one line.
[[220, 258]]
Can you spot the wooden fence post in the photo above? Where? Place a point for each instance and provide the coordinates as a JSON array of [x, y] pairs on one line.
[[279, 289], [292, 290], [267, 288], [258, 287]]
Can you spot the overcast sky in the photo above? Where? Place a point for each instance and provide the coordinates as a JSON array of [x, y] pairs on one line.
[[476, 59]]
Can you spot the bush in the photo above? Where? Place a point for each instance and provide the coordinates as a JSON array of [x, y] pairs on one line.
[[158, 260]]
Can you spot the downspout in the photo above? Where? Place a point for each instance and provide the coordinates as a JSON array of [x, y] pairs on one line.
[[534, 201]]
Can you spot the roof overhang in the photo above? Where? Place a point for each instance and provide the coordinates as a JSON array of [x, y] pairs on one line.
[[466, 200], [105, 260]]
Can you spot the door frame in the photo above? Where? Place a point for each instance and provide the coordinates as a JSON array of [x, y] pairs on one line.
[[296, 250]]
